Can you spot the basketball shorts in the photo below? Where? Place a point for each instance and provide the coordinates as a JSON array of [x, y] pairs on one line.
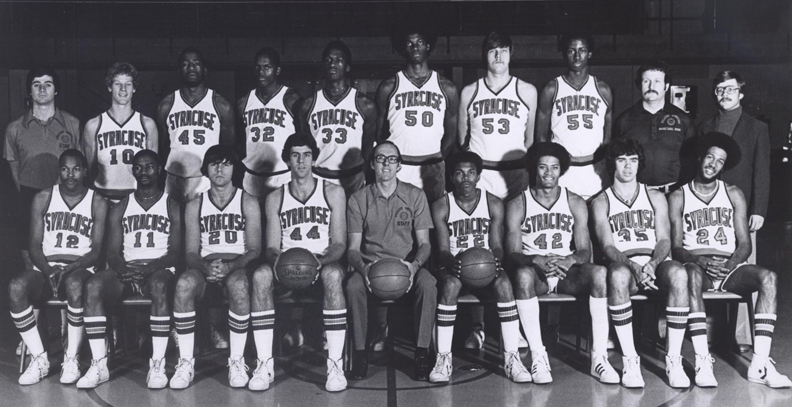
[[552, 285], [185, 189], [718, 283], [429, 177], [260, 187], [504, 184], [64, 263], [133, 288], [585, 181]]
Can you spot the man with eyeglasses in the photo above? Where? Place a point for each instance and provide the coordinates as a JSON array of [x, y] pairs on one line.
[[394, 216]]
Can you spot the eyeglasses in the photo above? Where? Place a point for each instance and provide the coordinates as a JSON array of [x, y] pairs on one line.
[[730, 90], [392, 159]]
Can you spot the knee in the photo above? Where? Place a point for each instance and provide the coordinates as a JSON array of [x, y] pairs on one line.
[[238, 282], [695, 276], [677, 276], [502, 284], [17, 289], [451, 285], [263, 279], [769, 280], [619, 276], [524, 277], [188, 284], [74, 286], [159, 287], [599, 276], [332, 275]]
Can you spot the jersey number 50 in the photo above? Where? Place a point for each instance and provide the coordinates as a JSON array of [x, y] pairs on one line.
[[411, 118]]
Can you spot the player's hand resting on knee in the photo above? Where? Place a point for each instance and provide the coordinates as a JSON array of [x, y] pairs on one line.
[[648, 276]]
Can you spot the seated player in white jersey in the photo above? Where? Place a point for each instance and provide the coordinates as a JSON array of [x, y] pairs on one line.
[[323, 235], [342, 120], [143, 249], [417, 111], [269, 114], [471, 217], [111, 139], [497, 120], [223, 242], [575, 111], [633, 229], [543, 225], [66, 231], [195, 118], [709, 230]]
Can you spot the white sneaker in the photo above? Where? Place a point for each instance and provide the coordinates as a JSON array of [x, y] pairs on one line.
[[676, 374], [335, 376], [37, 370], [185, 372], [156, 378], [540, 369], [263, 375], [96, 374], [237, 372], [476, 339], [378, 343], [763, 371], [602, 369], [442, 369], [515, 369], [631, 374], [219, 340], [70, 370], [705, 376]]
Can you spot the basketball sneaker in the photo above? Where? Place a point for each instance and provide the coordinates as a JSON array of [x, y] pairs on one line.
[[70, 370], [263, 375], [294, 338], [540, 369], [676, 374], [442, 369], [237, 372], [705, 377], [476, 339], [219, 341], [763, 371], [37, 370], [602, 369], [378, 343], [335, 375], [515, 369], [156, 378], [96, 374], [185, 372], [631, 374]]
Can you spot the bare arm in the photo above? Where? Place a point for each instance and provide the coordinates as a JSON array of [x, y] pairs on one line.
[[99, 209], [152, 134], [515, 210], [440, 220], [580, 231], [369, 112], [741, 232], [462, 117], [496, 225], [88, 141], [543, 111], [171, 257], [605, 92], [161, 120], [192, 237], [675, 206], [662, 228], [292, 100], [527, 93], [274, 230], [37, 231], [227, 124], [381, 98], [252, 233], [450, 119], [599, 209], [337, 201]]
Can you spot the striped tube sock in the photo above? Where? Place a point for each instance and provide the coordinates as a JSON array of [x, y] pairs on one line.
[[510, 325], [622, 320], [446, 316], [528, 310], [764, 325], [185, 331], [697, 326], [160, 327], [25, 322], [238, 327], [677, 323], [335, 324], [598, 308], [96, 331], [75, 330], [263, 323]]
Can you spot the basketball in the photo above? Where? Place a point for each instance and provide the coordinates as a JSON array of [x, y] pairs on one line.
[[478, 267], [296, 268], [389, 279]]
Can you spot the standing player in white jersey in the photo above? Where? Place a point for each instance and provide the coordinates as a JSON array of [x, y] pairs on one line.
[[417, 111], [143, 248], [497, 120], [543, 226], [195, 118], [471, 217], [342, 120], [268, 113], [111, 139], [633, 228], [575, 111], [709, 230], [66, 231], [223, 241], [311, 214]]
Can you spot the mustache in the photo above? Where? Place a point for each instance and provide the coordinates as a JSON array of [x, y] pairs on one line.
[[651, 91]]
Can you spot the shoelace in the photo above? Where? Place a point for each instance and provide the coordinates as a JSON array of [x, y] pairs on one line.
[[38, 361], [157, 365], [541, 363], [238, 365], [182, 369], [261, 366], [632, 364], [445, 362], [69, 363], [94, 369], [334, 368], [515, 363], [675, 361]]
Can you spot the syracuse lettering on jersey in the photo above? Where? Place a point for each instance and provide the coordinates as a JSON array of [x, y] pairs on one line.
[[496, 106], [544, 221], [305, 214], [222, 221], [330, 117], [192, 118], [121, 138], [69, 222], [265, 115], [420, 98], [701, 218], [639, 218], [571, 103], [469, 226], [147, 221]]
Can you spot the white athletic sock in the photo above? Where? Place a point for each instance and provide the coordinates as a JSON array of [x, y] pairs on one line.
[[677, 323], [598, 308], [25, 322], [74, 331], [622, 320], [96, 331], [160, 328], [528, 310], [238, 327], [697, 326], [446, 317], [185, 331], [335, 328], [764, 325], [510, 325], [263, 323]]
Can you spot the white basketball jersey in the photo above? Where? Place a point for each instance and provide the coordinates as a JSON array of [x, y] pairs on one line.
[[305, 225], [466, 230], [416, 115], [192, 130], [708, 226], [577, 118], [67, 231], [547, 230], [338, 130], [222, 229], [146, 231], [632, 226], [497, 121], [116, 144], [267, 126]]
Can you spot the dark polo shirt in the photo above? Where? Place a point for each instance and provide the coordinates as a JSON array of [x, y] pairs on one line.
[[662, 136], [387, 224]]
